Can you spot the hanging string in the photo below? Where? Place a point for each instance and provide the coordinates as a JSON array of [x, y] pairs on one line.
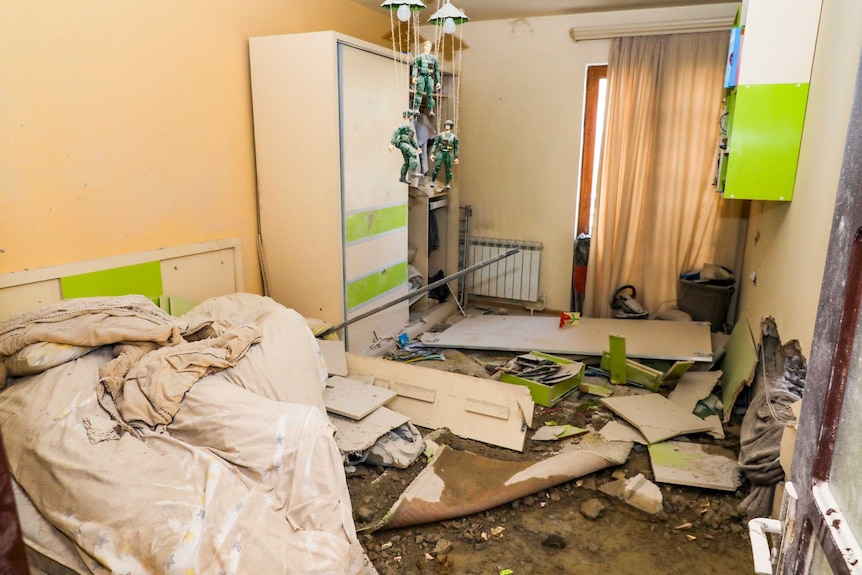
[[395, 56], [457, 94]]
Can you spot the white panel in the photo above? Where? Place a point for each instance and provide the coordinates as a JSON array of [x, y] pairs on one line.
[[376, 253], [201, 276], [21, 298], [649, 339], [371, 110], [778, 44], [438, 398], [386, 323]]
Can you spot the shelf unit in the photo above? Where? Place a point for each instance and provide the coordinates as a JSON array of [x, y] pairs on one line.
[[430, 206], [766, 107]]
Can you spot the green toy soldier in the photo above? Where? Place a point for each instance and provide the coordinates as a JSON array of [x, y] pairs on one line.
[[426, 77], [444, 152], [404, 138]]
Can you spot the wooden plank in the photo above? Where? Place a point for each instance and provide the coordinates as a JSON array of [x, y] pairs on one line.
[[433, 399], [647, 339], [353, 399]]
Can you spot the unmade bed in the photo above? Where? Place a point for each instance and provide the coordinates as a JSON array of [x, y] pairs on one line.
[[144, 443]]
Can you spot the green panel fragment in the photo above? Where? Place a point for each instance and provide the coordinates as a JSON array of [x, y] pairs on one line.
[[765, 141], [374, 222], [144, 279], [376, 284], [617, 358]]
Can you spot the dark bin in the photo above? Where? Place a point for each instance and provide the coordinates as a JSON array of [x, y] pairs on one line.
[[706, 301]]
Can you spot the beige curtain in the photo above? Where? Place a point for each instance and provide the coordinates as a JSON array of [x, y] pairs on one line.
[[658, 213]]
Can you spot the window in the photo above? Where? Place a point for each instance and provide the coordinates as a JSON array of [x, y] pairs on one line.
[[594, 126]]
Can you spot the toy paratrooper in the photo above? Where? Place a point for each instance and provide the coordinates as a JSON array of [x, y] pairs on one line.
[[444, 152], [426, 77], [404, 138]]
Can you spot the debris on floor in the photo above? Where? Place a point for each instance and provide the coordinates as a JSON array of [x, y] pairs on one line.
[[497, 454]]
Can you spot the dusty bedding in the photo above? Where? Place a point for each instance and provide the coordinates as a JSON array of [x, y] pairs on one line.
[[179, 445]]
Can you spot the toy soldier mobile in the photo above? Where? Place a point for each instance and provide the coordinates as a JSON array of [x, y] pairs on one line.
[[426, 77], [404, 138], [445, 152]]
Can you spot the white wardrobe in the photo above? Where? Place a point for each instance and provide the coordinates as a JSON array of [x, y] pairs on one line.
[[333, 215]]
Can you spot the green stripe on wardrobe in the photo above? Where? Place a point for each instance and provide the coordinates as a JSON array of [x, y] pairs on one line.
[[376, 284], [374, 222]]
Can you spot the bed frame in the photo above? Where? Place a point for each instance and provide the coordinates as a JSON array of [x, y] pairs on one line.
[[196, 271]]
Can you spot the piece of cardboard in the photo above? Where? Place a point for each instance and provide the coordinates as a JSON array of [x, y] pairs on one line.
[[695, 465], [550, 394], [352, 398], [476, 408], [740, 361], [656, 417], [357, 436]]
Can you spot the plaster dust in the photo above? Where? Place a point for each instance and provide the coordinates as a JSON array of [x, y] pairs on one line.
[[700, 531]]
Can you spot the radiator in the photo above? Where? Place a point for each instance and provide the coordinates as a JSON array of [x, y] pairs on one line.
[[515, 277]]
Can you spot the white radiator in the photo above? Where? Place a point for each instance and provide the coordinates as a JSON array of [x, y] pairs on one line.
[[515, 277]]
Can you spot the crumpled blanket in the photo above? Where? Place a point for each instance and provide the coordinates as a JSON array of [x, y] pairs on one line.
[[157, 357], [247, 479]]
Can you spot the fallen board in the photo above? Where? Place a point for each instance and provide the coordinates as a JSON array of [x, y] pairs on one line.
[[693, 464], [351, 398], [647, 339]]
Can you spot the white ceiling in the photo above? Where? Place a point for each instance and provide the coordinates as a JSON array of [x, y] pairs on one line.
[[506, 9]]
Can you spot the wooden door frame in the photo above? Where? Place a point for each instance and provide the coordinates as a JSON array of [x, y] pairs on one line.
[[591, 101], [834, 333]]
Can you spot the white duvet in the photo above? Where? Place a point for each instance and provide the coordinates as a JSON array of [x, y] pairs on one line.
[[245, 478]]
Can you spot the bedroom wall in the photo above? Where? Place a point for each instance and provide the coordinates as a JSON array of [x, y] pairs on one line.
[[125, 125], [521, 116], [786, 242]]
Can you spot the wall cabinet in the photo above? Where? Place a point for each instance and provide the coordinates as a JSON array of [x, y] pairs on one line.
[[333, 216], [766, 108]]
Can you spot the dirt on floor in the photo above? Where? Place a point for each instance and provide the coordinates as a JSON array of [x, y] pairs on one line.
[[570, 529]]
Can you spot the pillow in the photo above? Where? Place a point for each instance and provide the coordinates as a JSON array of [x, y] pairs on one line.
[[37, 357]]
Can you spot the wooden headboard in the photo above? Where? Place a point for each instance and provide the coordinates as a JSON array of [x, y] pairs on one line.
[[196, 272]]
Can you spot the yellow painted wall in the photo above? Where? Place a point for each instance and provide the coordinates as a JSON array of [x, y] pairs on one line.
[[126, 125], [786, 243]]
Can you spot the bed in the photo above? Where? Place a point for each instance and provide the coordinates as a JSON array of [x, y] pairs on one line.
[[141, 442]]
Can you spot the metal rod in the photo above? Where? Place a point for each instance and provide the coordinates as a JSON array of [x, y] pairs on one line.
[[429, 287]]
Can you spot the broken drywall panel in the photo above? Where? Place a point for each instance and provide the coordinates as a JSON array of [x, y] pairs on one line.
[[740, 361], [352, 398], [615, 431], [555, 432], [655, 416], [695, 465], [637, 491], [333, 355], [717, 430], [356, 436], [482, 409], [595, 389], [692, 387], [646, 339]]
